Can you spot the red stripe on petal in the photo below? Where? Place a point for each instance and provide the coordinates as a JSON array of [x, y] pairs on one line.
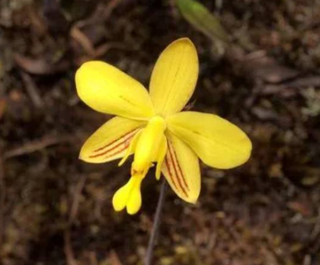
[[180, 170], [125, 135], [124, 140], [117, 152], [177, 170], [170, 173]]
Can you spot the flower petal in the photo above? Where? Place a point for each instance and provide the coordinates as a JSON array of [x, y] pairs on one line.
[[131, 148], [174, 77], [216, 141], [181, 169], [110, 141], [106, 89]]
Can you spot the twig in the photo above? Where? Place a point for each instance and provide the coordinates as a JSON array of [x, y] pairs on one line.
[[34, 146], [218, 8], [110, 7], [2, 200], [156, 223], [40, 66], [68, 251], [76, 199], [3, 105], [83, 40], [113, 258], [315, 234], [102, 13], [54, 16], [93, 260], [305, 82], [32, 90]]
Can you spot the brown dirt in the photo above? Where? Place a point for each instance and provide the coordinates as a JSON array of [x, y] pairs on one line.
[[55, 209]]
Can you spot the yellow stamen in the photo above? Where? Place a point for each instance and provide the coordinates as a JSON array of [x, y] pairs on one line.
[[148, 145]]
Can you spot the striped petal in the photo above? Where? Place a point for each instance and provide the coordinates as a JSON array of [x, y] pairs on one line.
[[106, 89], [110, 141], [216, 141], [174, 77], [181, 169]]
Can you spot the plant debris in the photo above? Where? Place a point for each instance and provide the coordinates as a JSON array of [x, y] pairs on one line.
[[55, 209]]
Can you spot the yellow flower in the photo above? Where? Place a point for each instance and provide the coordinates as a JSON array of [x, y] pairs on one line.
[[153, 128]]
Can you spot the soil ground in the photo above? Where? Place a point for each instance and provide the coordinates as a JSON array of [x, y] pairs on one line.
[[56, 209]]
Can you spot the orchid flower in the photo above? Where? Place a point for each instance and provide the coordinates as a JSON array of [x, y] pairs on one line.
[[153, 127]]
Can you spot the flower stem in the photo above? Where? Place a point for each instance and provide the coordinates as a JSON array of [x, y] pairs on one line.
[[156, 223]]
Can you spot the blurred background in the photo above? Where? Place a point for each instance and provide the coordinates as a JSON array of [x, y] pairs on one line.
[[259, 69]]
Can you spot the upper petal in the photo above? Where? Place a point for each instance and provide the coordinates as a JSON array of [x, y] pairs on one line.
[[105, 88], [110, 141], [174, 77], [181, 169], [216, 141]]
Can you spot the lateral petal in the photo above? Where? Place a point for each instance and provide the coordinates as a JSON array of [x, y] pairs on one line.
[[174, 77], [106, 89], [110, 141], [181, 169], [216, 141]]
